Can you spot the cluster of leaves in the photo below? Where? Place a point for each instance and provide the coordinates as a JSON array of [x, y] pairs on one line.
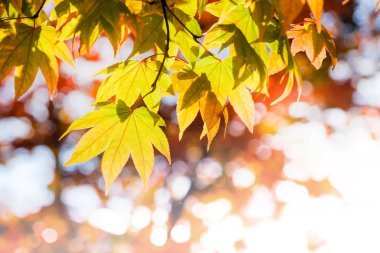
[[208, 70]]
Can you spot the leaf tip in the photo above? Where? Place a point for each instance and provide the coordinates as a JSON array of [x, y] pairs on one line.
[[168, 157], [276, 101], [180, 135], [68, 163], [64, 135], [208, 145], [145, 180], [52, 94], [107, 189]]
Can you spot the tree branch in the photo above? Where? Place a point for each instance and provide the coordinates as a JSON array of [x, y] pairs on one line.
[[35, 16], [195, 37]]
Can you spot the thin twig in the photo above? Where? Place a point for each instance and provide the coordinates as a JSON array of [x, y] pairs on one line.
[[29, 17], [166, 55], [195, 37]]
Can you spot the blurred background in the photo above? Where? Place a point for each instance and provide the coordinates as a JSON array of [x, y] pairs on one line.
[[307, 180]]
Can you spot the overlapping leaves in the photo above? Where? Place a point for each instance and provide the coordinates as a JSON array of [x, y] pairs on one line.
[[28, 48], [206, 88], [211, 70], [88, 18], [316, 44], [131, 79]]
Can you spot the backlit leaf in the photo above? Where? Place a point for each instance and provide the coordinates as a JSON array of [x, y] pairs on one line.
[[93, 17], [242, 102], [316, 7], [289, 10], [220, 75], [30, 48], [130, 79], [306, 38], [120, 133]]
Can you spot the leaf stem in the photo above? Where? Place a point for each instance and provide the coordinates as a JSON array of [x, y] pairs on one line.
[[166, 55]]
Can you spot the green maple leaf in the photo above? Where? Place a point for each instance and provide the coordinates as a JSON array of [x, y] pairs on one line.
[[29, 48], [133, 78], [120, 133]]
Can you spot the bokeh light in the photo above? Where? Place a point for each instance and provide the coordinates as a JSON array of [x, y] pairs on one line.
[[306, 181]]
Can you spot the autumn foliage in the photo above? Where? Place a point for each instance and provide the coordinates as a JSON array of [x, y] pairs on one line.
[[209, 69]]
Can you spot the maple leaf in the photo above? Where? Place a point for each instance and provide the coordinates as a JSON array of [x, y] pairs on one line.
[[201, 6], [289, 10], [191, 89], [207, 131], [306, 38], [27, 8], [211, 110], [29, 48], [212, 69], [187, 30], [242, 102], [249, 18], [16, 4], [220, 75], [248, 65], [133, 78], [120, 133], [198, 94], [93, 17], [279, 55], [150, 32], [291, 76], [185, 22], [316, 7], [281, 59]]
